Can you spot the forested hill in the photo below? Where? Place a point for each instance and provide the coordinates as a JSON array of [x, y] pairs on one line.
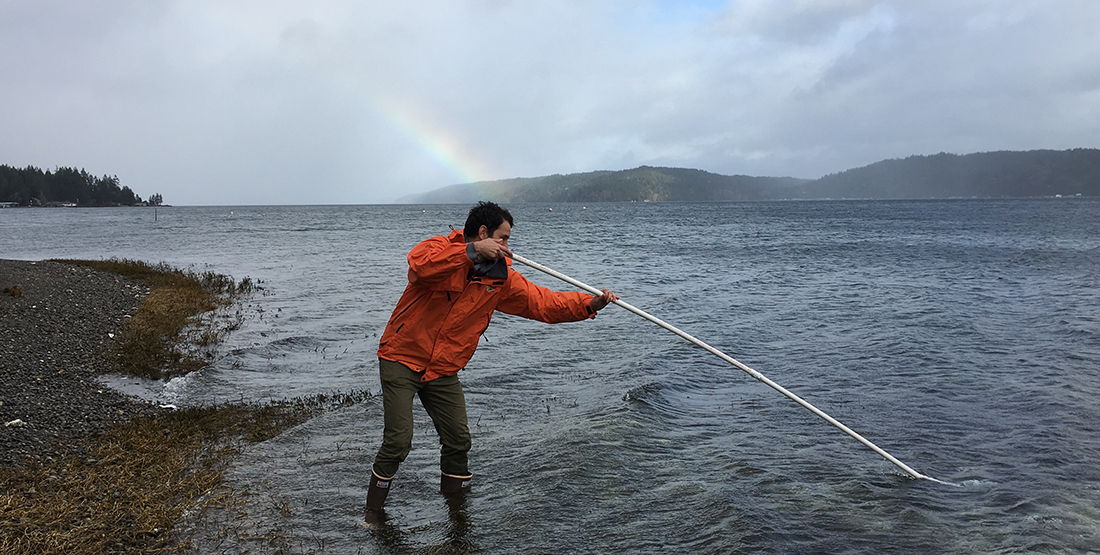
[[31, 186], [640, 184], [1034, 173], [983, 175]]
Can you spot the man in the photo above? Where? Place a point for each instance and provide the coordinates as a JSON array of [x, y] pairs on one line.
[[455, 284]]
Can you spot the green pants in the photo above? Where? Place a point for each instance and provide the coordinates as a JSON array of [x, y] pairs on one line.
[[446, 405]]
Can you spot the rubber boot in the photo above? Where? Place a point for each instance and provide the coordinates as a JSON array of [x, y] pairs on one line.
[[377, 491], [450, 484]]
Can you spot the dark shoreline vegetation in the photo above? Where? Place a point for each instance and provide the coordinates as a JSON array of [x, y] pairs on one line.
[[30, 186], [158, 341], [125, 486]]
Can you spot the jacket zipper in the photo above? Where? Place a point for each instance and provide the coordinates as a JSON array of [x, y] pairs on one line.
[[398, 315]]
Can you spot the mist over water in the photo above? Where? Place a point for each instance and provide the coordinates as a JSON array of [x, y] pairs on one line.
[[960, 336]]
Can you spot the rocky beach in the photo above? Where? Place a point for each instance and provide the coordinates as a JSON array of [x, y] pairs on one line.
[[56, 323], [85, 468]]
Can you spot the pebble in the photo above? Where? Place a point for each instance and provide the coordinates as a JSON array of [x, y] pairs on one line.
[[52, 341]]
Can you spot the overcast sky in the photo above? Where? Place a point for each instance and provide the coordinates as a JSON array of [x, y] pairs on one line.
[[363, 101]]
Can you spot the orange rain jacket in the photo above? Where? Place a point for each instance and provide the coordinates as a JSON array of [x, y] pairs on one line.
[[445, 308]]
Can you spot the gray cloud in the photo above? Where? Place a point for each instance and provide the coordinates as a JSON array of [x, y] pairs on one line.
[[343, 102]]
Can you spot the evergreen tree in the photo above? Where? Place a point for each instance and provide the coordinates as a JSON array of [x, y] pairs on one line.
[[31, 186]]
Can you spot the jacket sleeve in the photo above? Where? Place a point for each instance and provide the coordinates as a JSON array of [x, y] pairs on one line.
[[528, 300], [436, 259]]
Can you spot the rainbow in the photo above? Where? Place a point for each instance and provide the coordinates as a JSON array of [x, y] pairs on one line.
[[437, 143]]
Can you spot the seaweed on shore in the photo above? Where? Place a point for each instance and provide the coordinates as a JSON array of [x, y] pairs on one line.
[[132, 484], [175, 325], [129, 487], [126, 488]]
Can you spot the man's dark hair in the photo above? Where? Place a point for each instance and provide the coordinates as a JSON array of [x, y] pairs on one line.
[[488, 214]]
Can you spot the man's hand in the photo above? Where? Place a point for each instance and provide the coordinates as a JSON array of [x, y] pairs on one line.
[[603, 300], [491, 249]]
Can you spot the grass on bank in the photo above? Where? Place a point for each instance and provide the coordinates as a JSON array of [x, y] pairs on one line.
[[164, 339], [125, 489], [132, 484], [128, 488]]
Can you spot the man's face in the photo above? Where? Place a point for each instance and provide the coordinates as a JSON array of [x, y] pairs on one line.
[[501, 234]]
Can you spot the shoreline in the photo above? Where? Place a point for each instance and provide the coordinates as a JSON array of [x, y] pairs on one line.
[[87, 468], [54, 333]]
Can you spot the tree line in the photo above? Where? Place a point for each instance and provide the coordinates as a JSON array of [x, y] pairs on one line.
[[30, 186]]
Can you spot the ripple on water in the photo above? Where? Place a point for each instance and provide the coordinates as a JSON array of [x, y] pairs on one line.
[[958, 335]]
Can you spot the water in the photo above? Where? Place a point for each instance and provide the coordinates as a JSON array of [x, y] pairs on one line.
[[960, 336]]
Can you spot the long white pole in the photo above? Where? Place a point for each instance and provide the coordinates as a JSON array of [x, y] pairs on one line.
[[731, 360]]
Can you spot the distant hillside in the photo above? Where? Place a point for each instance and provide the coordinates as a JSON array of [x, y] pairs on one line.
[[1034, 173], [644, 184], [983, 175]]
